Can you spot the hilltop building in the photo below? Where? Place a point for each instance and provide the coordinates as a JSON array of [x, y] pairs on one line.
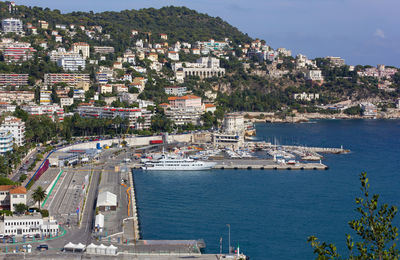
[[16, 127]]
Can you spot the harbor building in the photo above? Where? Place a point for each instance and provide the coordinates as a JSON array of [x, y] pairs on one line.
[[16, 127], [233, 124], [28, 225], [6, 142], [11, 25]]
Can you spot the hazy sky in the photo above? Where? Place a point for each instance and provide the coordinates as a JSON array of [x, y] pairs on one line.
[[361, 31]]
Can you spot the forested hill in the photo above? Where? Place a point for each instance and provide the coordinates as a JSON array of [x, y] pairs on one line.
[[180, 23]]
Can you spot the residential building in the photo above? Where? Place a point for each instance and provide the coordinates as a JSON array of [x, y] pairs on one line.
[[16, 127], [163, 36], [43, 24], [72, 63], [119, 88], [58, 38], [188, 102], [104, 76], [284, 52], [306, 96], [379, 72], [54, 111], [45, 97], [6, 142], [7, 107], [336, 61], [103, 49], [18, 54], [110, 112], [19, 97], [11, 195], [212, 45], [79, 94], [175, 90], [210, 108], [182, 117], [11, 25], [71, 79], [314, 75], [173, 55], [14, 79], [66, 101], [81, 47], [104, 89], [29, 225], [127, 97]]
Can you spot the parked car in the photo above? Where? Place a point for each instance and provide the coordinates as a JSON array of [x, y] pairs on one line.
[[43, 247], [37, 235]]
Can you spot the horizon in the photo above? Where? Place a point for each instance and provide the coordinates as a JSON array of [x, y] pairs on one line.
[[305, 26]]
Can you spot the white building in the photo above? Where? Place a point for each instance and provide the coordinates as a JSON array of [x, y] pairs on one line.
[[11, 195], [173, 55], [81, 47], [28, 225], [6, 142], [72, 63], [175, 90], [66, 101], [16, 127], [233, 124], [55, 112], [336, 61], [314, 75], [205, 67], [306, 96], [12, 25]]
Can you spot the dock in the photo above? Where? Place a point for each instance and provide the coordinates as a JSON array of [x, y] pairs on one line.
[[259, 164], [303, 148], [247, 164]]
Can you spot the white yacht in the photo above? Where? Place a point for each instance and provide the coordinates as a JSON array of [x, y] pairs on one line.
[[167, 163]]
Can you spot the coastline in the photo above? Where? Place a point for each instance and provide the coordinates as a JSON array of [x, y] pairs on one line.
[[256, 117]]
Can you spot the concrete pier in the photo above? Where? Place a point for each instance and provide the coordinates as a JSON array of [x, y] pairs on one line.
[[241, 164]]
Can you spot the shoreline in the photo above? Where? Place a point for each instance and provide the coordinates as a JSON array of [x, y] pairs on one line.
[[255, 117]]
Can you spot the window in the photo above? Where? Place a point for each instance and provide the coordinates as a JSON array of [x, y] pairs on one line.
[[15, 196], [21, 196]]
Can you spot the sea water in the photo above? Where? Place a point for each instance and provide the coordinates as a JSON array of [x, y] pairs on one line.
[[271, 213]]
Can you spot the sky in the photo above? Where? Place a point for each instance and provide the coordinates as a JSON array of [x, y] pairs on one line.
[[362, 32]]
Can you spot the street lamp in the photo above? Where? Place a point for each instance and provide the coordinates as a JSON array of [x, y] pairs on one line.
[[229, 237]]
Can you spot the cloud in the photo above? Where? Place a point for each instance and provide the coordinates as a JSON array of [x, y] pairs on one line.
[[379, 33]]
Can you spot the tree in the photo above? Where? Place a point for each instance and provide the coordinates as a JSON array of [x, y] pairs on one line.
[[39, 195], [374, 227], [21, 208]]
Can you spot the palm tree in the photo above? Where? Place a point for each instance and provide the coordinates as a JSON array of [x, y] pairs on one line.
[[39, 195]]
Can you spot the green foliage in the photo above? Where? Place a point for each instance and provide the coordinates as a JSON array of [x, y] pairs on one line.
[[44, 212], [21, 208], [6, 181], [39, 195], [355, 110], [22, 178], [374, 227]]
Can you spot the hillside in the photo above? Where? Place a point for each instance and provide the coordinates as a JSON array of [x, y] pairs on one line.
[[180, 23]]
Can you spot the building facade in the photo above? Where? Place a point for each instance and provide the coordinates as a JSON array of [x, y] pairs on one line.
[[16, 127], [11, 25], [71, 79], [14, 79]]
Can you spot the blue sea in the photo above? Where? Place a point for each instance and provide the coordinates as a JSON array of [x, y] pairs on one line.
[[271, 213]]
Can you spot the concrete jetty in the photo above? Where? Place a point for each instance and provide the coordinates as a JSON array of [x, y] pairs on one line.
[[259, 164], [303, 148]]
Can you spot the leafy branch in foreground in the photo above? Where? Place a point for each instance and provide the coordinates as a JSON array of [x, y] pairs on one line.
[[374, 227]]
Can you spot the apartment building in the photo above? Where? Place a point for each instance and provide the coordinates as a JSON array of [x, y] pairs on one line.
[[72, 63], [54, 111], [45, 97], [6, 142], [11, 25], [103, 49], [336, 61], [188, 102], [175, 90], [18, 54], [71, 79], [14, 79], [81, 47], [314, 75], [11, 195], [16, 127], [19, 97], [110, 112]]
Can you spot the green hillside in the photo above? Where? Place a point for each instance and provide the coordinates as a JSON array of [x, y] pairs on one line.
[[180, 23]]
